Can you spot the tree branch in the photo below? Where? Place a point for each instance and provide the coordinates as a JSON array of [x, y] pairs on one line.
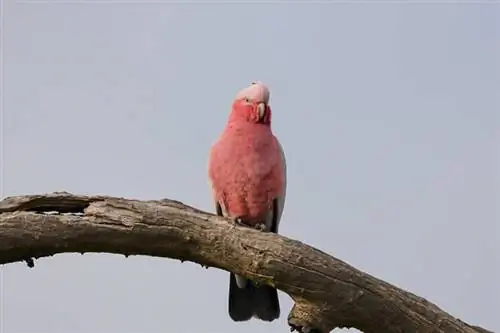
[[328, 293]]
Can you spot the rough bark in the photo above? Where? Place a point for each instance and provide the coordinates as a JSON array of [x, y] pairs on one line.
[[328, 293]]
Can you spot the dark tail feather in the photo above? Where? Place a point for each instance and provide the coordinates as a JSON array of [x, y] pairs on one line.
[[240, 300], [266, 303], [260, 301]]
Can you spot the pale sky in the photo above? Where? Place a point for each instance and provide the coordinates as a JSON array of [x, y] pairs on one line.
[[388, 114]]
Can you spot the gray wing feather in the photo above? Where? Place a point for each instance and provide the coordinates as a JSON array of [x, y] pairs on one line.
[[282, 197]]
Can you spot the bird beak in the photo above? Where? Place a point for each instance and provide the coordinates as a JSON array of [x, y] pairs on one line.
[[261, 111]]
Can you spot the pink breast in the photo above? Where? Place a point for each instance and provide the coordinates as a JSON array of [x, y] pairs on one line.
[[246, 174]]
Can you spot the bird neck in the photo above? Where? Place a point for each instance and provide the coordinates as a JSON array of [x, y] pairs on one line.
[[246, 126]]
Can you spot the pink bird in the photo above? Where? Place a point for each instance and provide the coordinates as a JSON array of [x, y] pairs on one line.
[[247, 172]]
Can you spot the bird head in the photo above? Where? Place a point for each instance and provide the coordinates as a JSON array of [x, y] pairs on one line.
[[252, 104]]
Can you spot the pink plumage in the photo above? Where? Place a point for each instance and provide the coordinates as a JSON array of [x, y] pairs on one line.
[[246, 164], [247, 171]]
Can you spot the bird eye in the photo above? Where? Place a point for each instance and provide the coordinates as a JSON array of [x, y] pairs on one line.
[[246, 99]]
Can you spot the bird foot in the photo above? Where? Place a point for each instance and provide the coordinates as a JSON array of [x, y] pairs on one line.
[[238, 221], [258, 226], [261, 227]]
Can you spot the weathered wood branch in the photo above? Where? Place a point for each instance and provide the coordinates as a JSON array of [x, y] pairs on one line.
[[328, 293]]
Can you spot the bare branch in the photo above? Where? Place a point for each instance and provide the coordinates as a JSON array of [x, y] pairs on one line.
[[328, 293]]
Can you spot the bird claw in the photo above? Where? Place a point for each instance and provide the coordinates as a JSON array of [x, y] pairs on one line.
[[238, 221], [261, 227]]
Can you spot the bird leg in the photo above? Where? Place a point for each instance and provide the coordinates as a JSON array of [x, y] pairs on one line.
[[239, 221], [261, 227]]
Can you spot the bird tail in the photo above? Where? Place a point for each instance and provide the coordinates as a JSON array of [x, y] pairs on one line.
[[258, 301]]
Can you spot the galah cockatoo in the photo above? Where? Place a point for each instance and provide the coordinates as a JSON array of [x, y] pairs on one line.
[[247, 172]]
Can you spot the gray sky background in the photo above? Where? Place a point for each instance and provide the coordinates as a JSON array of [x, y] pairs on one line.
[[387, 114]]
